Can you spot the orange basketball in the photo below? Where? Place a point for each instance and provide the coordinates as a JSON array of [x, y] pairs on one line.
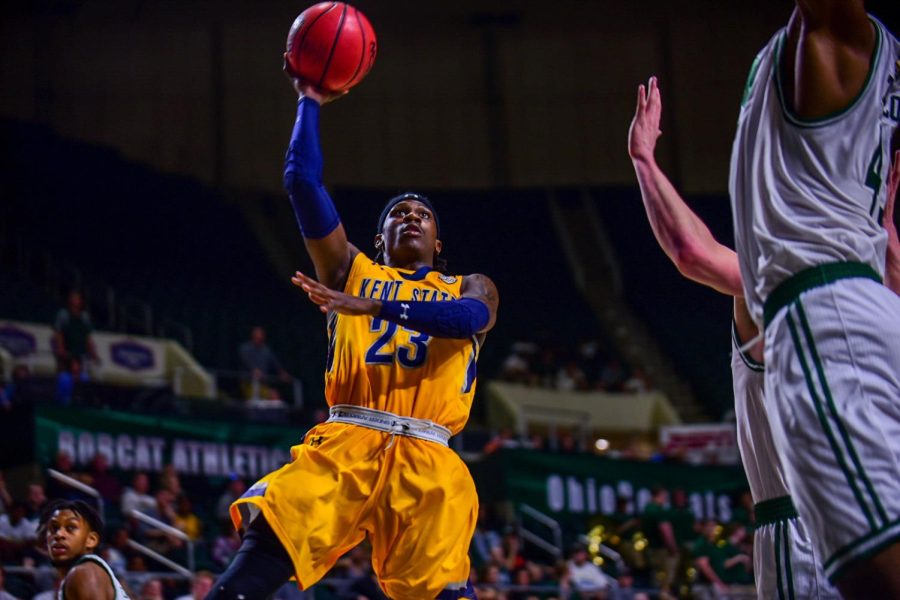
[[332, 46]]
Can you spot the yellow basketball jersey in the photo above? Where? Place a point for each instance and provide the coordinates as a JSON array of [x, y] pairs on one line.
[[382, 365]]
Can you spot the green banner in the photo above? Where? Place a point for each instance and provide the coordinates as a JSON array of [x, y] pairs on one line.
[[134, 442], [583, 485]]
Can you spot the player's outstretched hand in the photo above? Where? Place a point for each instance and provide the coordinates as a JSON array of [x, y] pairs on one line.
[[644, 130], [304, 88], [333, 300]]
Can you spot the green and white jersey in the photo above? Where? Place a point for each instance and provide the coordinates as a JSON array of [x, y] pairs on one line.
[[120, 591], [805, 193]]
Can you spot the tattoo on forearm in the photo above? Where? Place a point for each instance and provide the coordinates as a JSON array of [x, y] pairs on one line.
[[482, 287]]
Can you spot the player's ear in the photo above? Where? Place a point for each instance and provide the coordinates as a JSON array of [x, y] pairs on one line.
[[438, 246], [379, 241], [92, 541]]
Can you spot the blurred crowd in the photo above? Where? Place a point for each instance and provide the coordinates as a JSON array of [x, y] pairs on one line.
[[658, 550], [589, 366], [161, 497]]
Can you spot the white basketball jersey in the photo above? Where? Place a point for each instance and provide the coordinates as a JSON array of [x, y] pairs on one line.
[[117, 587], [761, 463], [804, 193]]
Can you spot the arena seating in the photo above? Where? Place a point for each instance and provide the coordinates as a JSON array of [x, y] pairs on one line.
[[676, 310], [185, 250]]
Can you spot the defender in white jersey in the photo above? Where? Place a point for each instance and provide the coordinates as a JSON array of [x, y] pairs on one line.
[[807, 186], [72, 530], [785, 565], [784, 560]]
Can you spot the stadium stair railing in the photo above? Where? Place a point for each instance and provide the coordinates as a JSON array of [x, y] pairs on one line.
[[168, 530]]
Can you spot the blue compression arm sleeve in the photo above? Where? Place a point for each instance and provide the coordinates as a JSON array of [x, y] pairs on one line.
[[313, 207], [444, 319]]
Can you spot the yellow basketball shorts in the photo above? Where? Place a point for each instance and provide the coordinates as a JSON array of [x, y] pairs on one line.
[[414, 498]]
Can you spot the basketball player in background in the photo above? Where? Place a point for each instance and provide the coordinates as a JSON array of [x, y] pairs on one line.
[[72, 530], [785, 562], [400, 376], [808, 167]]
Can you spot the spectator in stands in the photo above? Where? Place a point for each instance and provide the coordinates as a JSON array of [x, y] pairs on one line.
[[101, 480], [626, 589], [137, 497], [4, 595], [743, 511], [570, 377], [486, 541], [152, 590], [5, 498], [136, 568], [511, 557], [226, 545], [584, 577], [186, 520], [545, 368], [517, 365], [709, 557], [236, 488], [591, 358], [13, 390], [625, 525], [490, 582], [35, 500], [638, 382], [65, 464], [521, 581], [159, 539], [662, 551], [169, 480], [72, 331], [738, 555], [505, 438], [17, 534], [612, 376], [260, 363], [684, 522], [117, 551], [70, 374], [489, 592], [568, 444], [201, 585], [543, 575]]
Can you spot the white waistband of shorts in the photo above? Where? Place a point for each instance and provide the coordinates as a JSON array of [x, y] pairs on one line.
[[388, 422]]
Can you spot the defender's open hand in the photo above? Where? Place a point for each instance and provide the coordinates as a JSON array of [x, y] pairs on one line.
[[644, 129]]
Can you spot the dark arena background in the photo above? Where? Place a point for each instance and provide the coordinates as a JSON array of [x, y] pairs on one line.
[[143, 146]]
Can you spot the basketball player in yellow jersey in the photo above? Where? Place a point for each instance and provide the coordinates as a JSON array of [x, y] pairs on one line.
[[400, 375]]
